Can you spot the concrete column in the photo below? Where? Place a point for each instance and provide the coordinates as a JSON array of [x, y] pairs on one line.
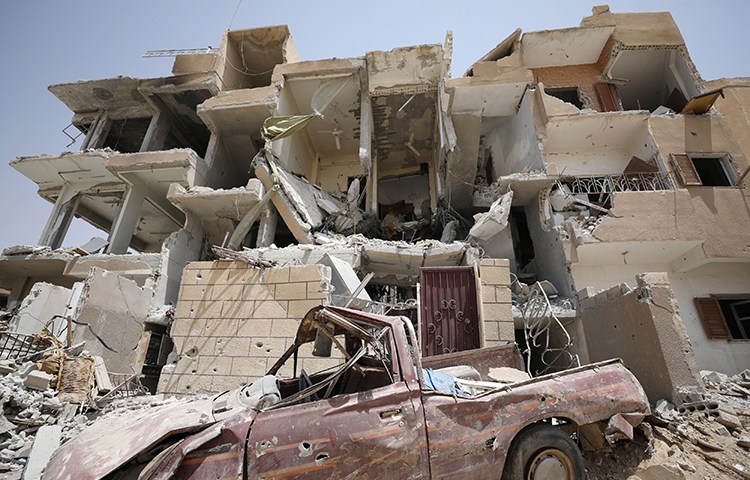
[[126, 220], [59, 219], [372, 183], [267, 227], [98, 132], [156, 135]]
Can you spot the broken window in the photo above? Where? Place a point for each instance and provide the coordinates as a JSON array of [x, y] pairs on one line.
[[567, 94], [725, 318], [609, 98], [704, 170]]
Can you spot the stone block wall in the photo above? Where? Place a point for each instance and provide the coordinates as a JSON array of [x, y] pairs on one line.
[[495, 302], [233, 321]]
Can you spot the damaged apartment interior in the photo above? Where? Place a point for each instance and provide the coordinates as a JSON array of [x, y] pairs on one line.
[[581, 192]]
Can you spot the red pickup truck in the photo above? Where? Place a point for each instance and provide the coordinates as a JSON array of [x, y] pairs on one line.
[[382, 413]]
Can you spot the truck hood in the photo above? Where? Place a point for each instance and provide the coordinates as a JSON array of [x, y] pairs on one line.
[[112, 442]]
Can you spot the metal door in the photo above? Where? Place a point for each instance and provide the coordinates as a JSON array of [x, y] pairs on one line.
[[448, 300]]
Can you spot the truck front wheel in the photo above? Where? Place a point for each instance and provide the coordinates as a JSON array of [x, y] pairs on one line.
[[543, 452]]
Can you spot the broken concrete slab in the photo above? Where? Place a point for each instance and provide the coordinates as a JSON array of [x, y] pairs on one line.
[[488, 224], [46, 442], [44, 307], [109, 318], [37, 380]]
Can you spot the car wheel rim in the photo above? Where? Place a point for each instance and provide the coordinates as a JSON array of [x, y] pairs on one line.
[[550, 464]]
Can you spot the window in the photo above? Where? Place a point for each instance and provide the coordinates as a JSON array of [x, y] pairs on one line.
[[725, 317], [566, 94], [708, 170]]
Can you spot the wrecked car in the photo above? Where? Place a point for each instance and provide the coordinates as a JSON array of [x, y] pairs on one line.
[[381, 413]]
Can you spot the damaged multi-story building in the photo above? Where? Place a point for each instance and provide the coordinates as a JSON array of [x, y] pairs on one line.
[[250, 186]]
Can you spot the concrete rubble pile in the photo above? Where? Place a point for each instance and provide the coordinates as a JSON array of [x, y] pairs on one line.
[[707, 436], [51, 400]]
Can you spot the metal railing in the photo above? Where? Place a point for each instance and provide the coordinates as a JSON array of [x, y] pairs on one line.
[[625, 182], [540, 324]]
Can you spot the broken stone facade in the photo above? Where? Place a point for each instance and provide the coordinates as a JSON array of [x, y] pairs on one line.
[[581, 158]]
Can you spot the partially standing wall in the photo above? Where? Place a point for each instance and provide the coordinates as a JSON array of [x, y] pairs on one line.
[[233, 321]]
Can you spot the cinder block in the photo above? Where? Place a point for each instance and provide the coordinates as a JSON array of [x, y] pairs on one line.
[[220, 327], [254, 327], [284, 327], [207, 309], [503, 295], [249, 366], [314, 291], [499, 312], [209, 365], [267, 347], [275, 275], [491, 332], [306, 273], [194, 292], [238, 309], [507, 331], [258, 292], [298, 308], [232, 346], [184, 309], [270, 309], [190, 384], [291, 291], [185, 327], [37, 380], [488, 294], [227, 292], [185, 365], [492, 275]]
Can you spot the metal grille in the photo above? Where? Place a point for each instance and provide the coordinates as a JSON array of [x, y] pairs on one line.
[[449, 310], [630, 182], [16, 345], [540, 324]]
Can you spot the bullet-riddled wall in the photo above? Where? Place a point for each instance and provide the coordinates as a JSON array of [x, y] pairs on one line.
[[233, 321]]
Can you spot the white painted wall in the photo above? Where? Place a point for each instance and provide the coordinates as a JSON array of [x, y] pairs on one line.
[[514, 142], [718, 278]]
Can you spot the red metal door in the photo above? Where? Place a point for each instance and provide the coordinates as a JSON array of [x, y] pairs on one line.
[[448, 300]]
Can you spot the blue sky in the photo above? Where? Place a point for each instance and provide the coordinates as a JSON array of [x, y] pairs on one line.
[[49, 42]]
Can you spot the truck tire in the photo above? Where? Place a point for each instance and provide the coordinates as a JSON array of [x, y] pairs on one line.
[[543, 452]]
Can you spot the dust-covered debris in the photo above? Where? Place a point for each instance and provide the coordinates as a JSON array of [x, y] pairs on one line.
[[692, 440]]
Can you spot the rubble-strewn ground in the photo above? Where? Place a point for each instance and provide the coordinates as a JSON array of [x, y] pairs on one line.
[[26, 410], [708, 438]]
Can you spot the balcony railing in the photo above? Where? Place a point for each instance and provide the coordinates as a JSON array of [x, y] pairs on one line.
[[625, 182]]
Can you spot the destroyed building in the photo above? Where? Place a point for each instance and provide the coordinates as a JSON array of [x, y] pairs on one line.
[[250, 186]]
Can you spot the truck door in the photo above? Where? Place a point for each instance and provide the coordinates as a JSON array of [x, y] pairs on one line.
[[449, 319], [370, 434]]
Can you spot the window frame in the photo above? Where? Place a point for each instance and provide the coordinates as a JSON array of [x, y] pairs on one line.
[[715, 324], [683, 166]]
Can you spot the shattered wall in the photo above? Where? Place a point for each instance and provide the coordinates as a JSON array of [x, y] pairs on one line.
[[495, 301], [111, 312], [642, 327], [39, 308], [233, 321]]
